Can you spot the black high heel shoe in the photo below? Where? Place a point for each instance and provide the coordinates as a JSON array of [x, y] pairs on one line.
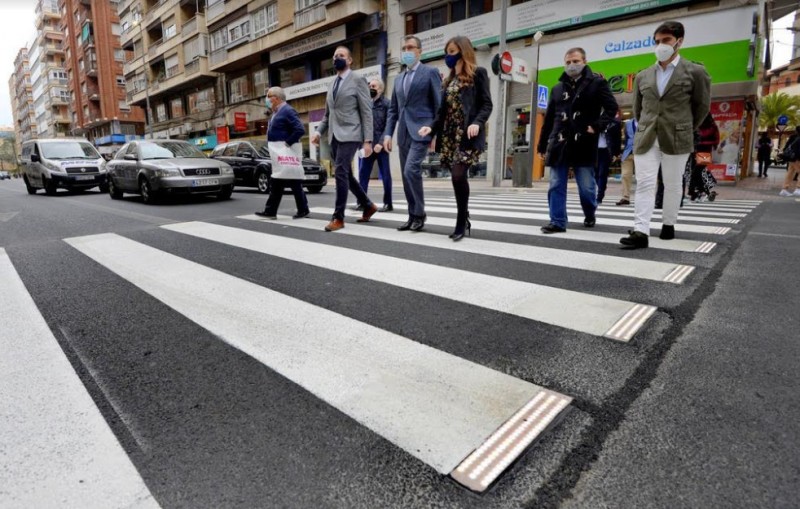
[[459, 234]]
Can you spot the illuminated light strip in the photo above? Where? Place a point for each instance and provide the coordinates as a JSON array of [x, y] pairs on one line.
[[630, 323], [722, 230], [679, 275], [481, 468], [705, 247]]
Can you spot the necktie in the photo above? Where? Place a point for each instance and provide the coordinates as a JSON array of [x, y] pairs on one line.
[[407, 81], [336, 86]]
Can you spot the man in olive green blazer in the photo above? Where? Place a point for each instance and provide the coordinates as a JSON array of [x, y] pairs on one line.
[[671, 99]]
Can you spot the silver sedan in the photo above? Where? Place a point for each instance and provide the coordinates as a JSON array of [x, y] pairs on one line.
[[154, 168]]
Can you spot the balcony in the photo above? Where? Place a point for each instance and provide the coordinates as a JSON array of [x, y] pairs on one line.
[[60, 118], [198, 65], [91, 70], [219, 57], [53, 49], [155, 12], [191, 27], [152, 51]]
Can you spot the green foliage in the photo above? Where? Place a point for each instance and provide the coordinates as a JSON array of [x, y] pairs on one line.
[[775, 105]]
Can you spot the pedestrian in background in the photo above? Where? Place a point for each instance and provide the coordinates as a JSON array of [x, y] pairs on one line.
[[415, 100], [581, 106], [285, 126], [348, 123], [701, 182], [609, 146], [791, 154], [380, 108], [628, 162], [764, 154], [460, 124], [670, 100]]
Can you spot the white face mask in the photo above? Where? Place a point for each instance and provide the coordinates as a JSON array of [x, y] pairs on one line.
[[664, 52]]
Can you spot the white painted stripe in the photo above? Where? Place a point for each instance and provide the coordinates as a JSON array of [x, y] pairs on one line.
[[546, 217], [564, 308], [608, 199], [705, 247], [535, 193], [679, 275], [627, 326], [56, 448], [601, 215], [685, 210], [628, 267], [436, 406], [682, 245]]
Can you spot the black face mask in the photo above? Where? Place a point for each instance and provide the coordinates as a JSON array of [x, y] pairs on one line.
[[373, 93], [340, 64]]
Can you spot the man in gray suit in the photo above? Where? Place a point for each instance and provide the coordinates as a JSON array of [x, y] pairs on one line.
[[415, 100], [348, 122], [670, 101]]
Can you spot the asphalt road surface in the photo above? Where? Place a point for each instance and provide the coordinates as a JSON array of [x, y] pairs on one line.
[[191, 354]]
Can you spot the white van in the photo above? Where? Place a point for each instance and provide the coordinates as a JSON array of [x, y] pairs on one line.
[[70, 163]]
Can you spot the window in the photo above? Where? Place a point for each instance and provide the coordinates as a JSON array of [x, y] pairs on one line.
[[200, 101], [119, 54], [176, 107], [171, 65], [433, 18], [260, 83], [239, 89], [219, 39], [265, 19], [230, 150], [121, 81], [294, 76], [239, 31], [123, 106], [194, 48], [169, 29], [161, 112], [116, 29], [456, 10]]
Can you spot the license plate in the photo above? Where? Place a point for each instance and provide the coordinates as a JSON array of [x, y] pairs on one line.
[[311, 177], [84, 177], [205, 182]]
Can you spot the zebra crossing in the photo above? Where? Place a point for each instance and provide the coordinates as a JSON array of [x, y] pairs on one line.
[[459, 417]]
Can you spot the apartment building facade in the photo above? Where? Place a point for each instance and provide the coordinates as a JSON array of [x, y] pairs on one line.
[[48, 73], [99, 109], [21, 94]]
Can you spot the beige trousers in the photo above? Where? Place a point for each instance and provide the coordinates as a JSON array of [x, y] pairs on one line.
[[627, 177], [791, 171]]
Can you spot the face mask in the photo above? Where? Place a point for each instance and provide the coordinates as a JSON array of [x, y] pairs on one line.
[[408, 58], [574, 70], [340, 64], [269, 106], [373, 93], [664, 52], [452, 60]]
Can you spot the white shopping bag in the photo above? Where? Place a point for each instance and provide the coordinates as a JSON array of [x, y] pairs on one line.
[[287, 162]]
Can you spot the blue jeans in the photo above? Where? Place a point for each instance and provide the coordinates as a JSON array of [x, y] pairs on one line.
[[365, 170], [557, 194]]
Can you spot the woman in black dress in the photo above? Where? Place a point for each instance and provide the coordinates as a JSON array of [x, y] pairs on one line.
[[460, 124]]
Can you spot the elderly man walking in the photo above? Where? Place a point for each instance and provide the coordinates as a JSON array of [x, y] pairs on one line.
[[380, 108]]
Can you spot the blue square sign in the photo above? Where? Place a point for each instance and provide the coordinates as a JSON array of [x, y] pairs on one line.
[[541, 100]]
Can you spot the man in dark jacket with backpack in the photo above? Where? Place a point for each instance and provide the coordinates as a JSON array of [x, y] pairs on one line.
[[581, 106], [791, 154]]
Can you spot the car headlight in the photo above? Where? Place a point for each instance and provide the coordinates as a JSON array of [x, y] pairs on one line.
[[54, 167], [166, 172], [226, 170]]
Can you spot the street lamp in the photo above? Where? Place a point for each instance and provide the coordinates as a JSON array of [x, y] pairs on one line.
[[149, 112]]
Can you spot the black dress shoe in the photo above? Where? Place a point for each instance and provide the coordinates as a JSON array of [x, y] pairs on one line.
[[623, 201], [634, 240], [417, 225], [266, 215], [667, 232], [552, 228], [589, 223], [406, 226], [386, 208], [301, 215]]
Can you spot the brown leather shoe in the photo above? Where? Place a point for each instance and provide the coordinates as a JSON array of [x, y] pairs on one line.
[[367, 214], [335, 224], [623, 201]]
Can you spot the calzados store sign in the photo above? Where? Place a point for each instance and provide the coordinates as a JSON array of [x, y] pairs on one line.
[[529, 17]]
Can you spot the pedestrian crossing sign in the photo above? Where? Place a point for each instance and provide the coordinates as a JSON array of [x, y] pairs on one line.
[[541, 102]]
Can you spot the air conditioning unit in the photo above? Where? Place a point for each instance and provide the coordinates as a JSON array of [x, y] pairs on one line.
[[187, 128]]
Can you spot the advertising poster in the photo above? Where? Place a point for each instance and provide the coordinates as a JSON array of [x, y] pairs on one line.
[[726, 158]]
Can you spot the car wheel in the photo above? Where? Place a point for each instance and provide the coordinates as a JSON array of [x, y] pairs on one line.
[[225, 193], [314, 189], [50, 187], [263, 182], [103, 187], [28, 186], [113, 191], [148, 195]]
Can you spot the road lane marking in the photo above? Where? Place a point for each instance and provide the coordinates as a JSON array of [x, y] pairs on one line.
[[688, 205], [436, 406], [685, 210], [682, 245], [57, 448], [617, 265]]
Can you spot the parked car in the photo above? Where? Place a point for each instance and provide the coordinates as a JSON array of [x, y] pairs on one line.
[[73, 164], [4, 175], [253, 168], [154, 168]]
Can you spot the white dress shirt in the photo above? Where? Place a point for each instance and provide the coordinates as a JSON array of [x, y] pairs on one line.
[[663, 75]]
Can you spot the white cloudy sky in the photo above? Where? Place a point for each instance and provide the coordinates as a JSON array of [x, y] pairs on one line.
[[17, 30]]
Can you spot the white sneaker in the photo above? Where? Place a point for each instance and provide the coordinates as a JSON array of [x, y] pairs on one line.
[[784, 192], [797, 192], [703, 199]]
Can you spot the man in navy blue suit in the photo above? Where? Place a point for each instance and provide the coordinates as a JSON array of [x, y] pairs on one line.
[[285, 126], [415, 101]]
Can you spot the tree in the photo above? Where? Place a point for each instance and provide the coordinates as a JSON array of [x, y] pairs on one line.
[[775, 105]]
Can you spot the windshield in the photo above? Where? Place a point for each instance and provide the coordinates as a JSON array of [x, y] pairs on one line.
[[261, 148], [68, 150], [168, 150]]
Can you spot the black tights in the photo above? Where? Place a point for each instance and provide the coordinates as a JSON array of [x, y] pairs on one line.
[[458, 173]]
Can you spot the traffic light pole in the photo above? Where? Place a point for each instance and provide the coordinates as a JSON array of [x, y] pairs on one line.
[[500, 119]]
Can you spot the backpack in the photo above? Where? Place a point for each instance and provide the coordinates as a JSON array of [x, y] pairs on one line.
[[790, 151]]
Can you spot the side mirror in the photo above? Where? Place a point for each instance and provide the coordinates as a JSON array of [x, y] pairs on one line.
[[35, 158], [248, 155], [130, 157]]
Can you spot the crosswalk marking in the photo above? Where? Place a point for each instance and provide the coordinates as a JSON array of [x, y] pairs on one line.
[[436, 406], [476, 205], [691, 228], [687, 205], [603, 209], [57, 449], [751, 203], [541, 303], [682, 245], [644, 269]]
